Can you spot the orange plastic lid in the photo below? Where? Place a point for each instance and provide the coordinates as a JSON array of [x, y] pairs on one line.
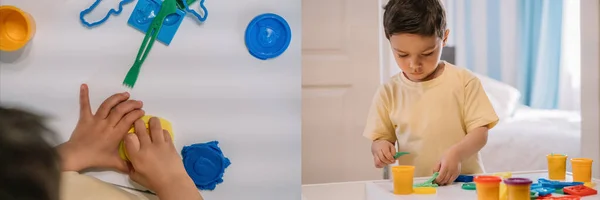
[[487, 179], [14, 28]]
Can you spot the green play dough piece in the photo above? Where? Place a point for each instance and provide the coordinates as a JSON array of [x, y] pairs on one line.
[[559, 191], [398, 154], [468, 186], [428, 182]]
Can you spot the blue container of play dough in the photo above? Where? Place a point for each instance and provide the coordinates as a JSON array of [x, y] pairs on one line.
[[267, 36], [145, 11]]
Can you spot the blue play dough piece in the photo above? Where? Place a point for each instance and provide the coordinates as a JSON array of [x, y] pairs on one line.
[[205, 164], [110, 12], [196, 14], [145, 11], [267, 36], [464, 178]]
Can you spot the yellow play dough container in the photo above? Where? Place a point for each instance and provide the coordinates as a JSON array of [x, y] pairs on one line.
[[16, 28], [518, 188], [488, 187], [582, 169], [403, 179], [166, 125], [557, 166]]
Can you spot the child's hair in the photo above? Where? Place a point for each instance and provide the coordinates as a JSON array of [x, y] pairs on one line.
[[29, 165], [422, 17]]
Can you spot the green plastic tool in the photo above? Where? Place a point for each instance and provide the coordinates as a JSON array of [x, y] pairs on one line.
[[181, 6], [428, 182], [398, 154], [168, 7], [468, 186]]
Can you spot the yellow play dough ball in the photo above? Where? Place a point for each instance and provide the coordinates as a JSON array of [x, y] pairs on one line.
[[166, 125]]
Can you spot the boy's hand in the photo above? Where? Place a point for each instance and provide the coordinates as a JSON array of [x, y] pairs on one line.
[[156, 163], [95, 140], [448, 168], [383, 153]]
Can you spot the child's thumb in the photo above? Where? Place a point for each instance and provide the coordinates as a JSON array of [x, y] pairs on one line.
[[132, 144]]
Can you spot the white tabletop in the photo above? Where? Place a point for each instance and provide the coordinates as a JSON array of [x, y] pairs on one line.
[[381, 189]]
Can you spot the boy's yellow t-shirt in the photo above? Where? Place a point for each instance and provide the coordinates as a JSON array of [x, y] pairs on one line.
[[75, 186], [427, 118]]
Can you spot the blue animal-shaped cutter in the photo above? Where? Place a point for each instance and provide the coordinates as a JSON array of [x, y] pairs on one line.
[[83, 13], [145, 11], [556, 184], [196, 14]]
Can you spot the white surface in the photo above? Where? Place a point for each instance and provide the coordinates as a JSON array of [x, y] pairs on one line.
[[334, 191], [525, 139], [590, 84], [382, 190], [205, 83]]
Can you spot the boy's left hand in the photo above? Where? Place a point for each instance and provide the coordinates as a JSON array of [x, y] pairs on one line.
[[448, 168], [95, 140]]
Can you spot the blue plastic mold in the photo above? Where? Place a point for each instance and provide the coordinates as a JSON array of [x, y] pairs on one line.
[[145, 11], [268, 36], [205, 164], [110, 12], [196, 14]]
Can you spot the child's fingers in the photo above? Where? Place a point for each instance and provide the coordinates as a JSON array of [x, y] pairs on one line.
[[156, 130], [442, 175], [141, 133], [121, 110], [127, 121], [85, 109], [132, 144], [167, 136], [110, 103], [387, 156], [377, 161]]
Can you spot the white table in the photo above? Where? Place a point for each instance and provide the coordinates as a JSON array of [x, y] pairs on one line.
[[382, 190]]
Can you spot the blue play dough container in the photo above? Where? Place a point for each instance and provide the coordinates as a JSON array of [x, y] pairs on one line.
[[205, 164], [267, 36]]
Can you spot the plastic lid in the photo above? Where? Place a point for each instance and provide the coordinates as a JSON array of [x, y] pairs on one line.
[[518, 181], [581, 160], [268, 36], [487, 179]]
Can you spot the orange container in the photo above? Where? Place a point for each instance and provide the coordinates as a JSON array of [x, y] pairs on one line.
[[557, 166], [403, 176], [16, 28], [488, 187], [518, 188], [582, 169]]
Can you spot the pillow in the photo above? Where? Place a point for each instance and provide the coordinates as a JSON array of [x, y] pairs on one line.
[[504, 97]]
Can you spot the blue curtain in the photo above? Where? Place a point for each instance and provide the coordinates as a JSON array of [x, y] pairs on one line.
[[539, 41]]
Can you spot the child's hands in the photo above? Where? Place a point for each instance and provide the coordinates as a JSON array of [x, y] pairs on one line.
[[156, 163], [95, 140], [383, 153], [448, 168]]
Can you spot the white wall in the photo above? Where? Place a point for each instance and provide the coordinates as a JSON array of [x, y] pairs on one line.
[[590, 85]]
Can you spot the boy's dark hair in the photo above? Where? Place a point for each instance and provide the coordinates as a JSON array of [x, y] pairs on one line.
[[422, 17], [29, 165]]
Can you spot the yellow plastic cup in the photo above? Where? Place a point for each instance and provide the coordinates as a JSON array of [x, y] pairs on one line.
[[488, 187], [518, 188], [166, 125], [503, 189], [403, 179], [582, 169], [557, 166], [16, 28]]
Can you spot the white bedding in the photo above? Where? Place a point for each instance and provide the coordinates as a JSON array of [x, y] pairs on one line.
[[521, 142]]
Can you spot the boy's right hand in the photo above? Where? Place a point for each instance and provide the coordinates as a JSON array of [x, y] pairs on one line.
[[156, 163], [383, 153]]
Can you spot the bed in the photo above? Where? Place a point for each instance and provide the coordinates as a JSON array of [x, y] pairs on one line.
[[524, 135], [520, 143]]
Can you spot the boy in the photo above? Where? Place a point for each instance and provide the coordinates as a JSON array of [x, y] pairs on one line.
[[31, 169], [433, 109]]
